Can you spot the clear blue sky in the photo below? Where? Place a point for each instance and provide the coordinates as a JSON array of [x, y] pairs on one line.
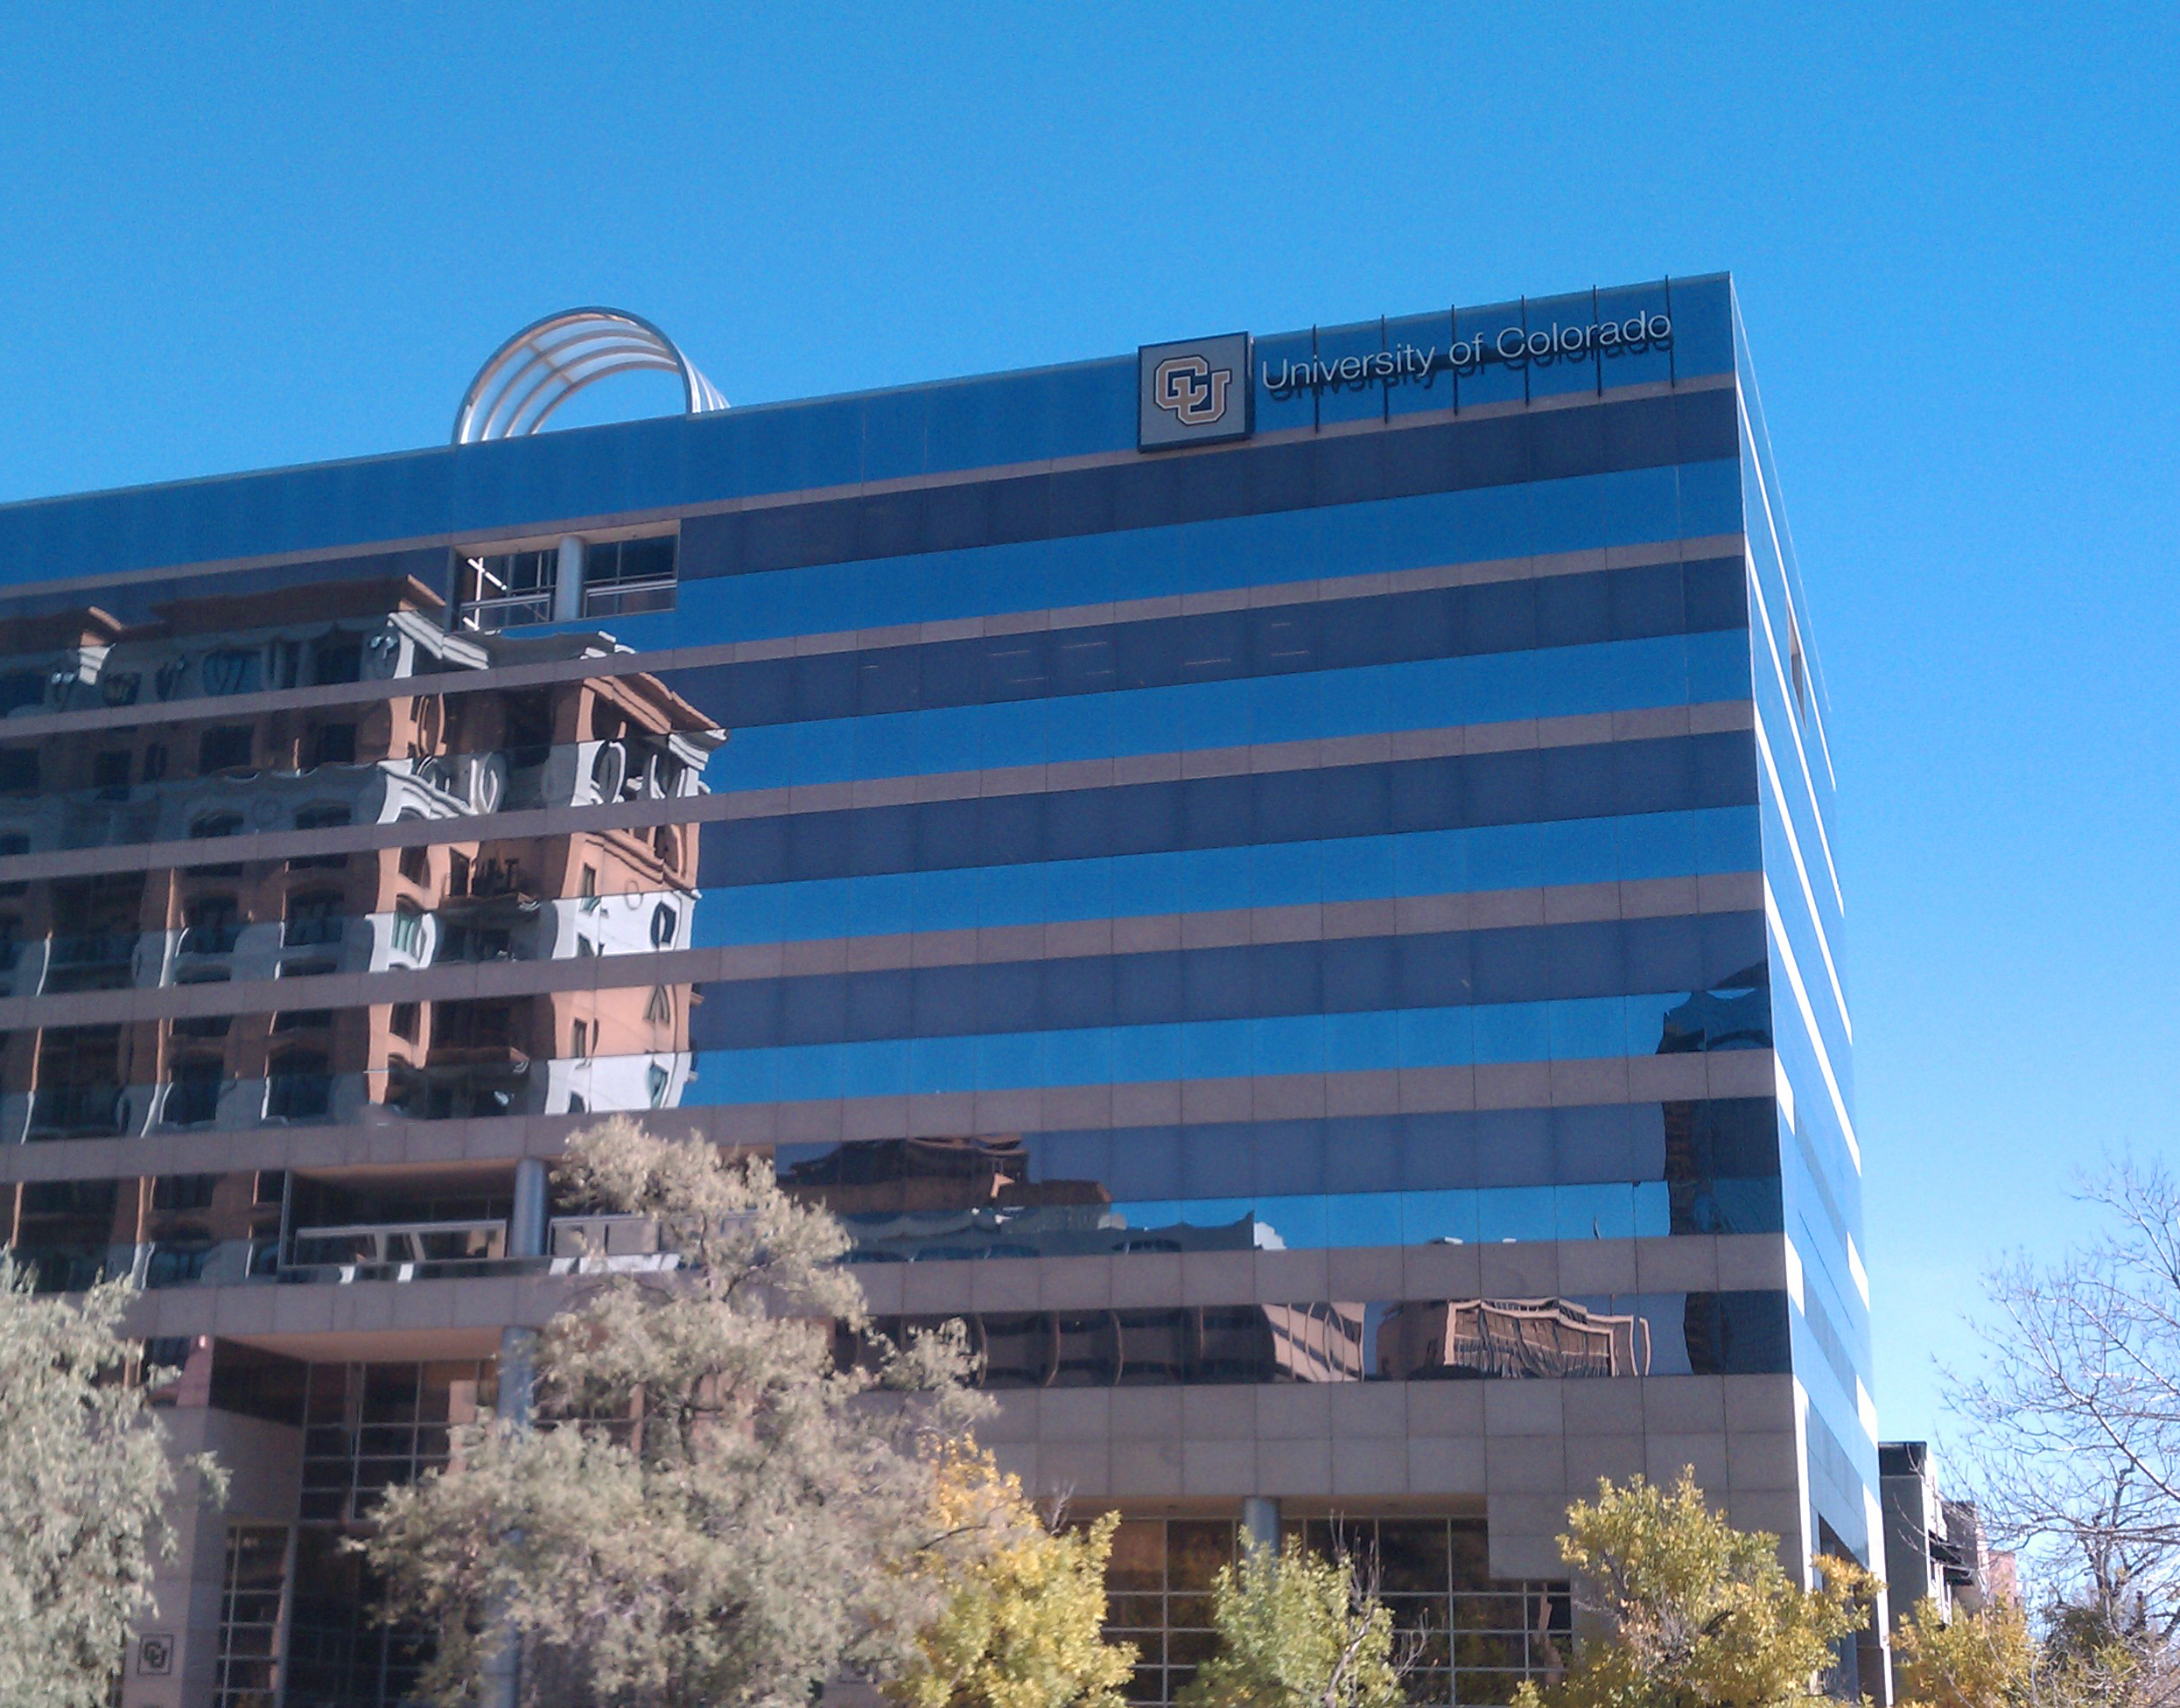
[[232, 237]]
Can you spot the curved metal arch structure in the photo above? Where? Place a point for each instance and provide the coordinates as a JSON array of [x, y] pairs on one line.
[[546, 363]]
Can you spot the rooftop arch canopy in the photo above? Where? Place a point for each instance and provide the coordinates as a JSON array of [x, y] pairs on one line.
[[546, 363]]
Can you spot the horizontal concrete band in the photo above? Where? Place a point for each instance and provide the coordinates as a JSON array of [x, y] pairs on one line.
[[666, 662], [1516, 1554], [1509, 1085], [1514, 1454], [411, 1145], [1483, 910], [1523, 1450], [1517, 735], [271, 1314], [1325, 753], [1520, 1451]]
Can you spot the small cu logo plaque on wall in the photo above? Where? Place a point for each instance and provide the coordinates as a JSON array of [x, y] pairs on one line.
[[1194, 392], [155, 1655]]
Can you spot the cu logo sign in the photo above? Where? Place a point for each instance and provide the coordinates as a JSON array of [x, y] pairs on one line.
[[1191, 390]]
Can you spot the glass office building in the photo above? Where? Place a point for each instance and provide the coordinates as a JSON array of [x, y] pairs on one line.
[[1289, 882]]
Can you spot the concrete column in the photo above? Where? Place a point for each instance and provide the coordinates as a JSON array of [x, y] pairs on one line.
[[1260, 1523], [567, 591], [518, 1381], [526, 1228], [518, 1354]]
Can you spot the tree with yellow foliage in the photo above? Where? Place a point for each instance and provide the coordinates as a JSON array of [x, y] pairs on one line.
[[1988, 1659], [1995, 1658], [1022, 1603], [1699, 1614]]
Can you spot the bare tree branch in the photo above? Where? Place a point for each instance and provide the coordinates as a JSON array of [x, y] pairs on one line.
[[2074, 1424]]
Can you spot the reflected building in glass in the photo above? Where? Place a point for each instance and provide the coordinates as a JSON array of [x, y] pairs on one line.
[[1289, 885]]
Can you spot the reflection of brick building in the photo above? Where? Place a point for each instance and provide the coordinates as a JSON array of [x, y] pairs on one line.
[[316, 917], [1314, 1342], [1509, 1337], [924, 1198], [412, 933], [900, 1176], [929, 1198]]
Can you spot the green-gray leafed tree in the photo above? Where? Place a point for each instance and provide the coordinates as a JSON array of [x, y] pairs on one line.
[[710, 1511], [1298, 1629], [84, 1482]]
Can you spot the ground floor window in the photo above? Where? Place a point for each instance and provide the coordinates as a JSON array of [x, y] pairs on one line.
[[371, 1427], [253, 1609], [1481, 1636], [339, 1655], [299, 1625]]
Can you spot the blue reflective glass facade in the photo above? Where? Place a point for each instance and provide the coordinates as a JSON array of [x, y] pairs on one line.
[[1345, 908]]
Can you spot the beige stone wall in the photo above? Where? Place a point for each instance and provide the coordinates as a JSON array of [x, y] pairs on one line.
[[265, 1463]]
